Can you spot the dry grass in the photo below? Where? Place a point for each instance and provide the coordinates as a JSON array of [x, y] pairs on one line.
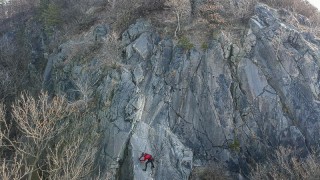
[[211, 172], [300, 6], [287, 165], [125, 12], [239, 12], [212, 11]]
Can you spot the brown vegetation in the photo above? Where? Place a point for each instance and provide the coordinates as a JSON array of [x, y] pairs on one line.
[[300, 6], [285, 164], [125, 12], [211, 11], [210, 172], [54, 141]]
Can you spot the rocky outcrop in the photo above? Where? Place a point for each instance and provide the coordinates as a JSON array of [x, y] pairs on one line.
[[230, 104]]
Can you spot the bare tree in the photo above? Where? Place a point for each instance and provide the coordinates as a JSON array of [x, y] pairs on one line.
[[49, 142], [182, 10], [84, 87]]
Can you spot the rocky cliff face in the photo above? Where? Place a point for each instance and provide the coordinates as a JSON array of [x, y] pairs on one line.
[[231, 104]]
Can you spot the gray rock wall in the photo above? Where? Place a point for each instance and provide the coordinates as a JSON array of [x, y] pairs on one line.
[[231, 104]]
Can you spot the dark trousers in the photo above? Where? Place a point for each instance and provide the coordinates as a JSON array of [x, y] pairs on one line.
[[149, 161]]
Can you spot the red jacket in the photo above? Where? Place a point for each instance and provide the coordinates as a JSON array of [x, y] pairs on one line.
[[146, 157]]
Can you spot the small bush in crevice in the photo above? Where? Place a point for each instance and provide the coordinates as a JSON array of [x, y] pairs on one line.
[[235, 145], [204, 46], [86, 22], [185, 43]]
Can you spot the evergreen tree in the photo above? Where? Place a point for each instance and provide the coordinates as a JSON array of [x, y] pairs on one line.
[[50, 16]]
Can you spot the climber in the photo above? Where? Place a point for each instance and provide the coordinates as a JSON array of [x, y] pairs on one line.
[[148, 157]]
